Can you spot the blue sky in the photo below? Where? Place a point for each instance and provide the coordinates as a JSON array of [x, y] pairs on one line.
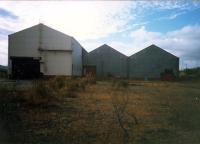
[[127, 26]]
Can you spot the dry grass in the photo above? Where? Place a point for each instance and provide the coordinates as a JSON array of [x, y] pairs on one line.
[[79, 111]]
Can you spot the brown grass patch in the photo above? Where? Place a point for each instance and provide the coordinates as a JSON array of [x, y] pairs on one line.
[[65, 110]]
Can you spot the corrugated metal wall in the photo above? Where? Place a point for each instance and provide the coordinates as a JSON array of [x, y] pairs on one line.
[[151, 62], [58, 63], [54, 40], [55, 52], [76, 58], [51, 47], [108, 61], [84, 56], [148, 63]]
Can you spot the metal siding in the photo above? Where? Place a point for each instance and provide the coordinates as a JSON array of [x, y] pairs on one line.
[[108, 62], [54, 40], [57, 63], [23, 43], [151, 62], [26, 43], [84, 56], [76, 58]]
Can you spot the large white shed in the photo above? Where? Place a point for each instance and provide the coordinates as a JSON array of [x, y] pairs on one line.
[[41, 50]]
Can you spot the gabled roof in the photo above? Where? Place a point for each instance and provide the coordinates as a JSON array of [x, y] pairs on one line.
[[39, 25], [107, 47], [153, 46], [54, 29], [84, 50]]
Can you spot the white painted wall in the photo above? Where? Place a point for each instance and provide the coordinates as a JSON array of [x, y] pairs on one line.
[[57, 63], [54, 40]]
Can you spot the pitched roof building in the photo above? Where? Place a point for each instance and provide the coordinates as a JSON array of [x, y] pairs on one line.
[[151, 62], [106, 61], [41, 50]]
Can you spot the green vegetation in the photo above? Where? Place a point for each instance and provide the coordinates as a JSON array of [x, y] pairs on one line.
[[190, 74], [81, 110]]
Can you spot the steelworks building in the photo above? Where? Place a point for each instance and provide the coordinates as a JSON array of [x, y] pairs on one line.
[[42, 51]]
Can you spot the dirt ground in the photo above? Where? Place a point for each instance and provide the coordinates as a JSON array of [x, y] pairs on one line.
[[139, 112]]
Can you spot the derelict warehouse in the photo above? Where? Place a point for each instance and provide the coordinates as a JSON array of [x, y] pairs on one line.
[[42, 51]]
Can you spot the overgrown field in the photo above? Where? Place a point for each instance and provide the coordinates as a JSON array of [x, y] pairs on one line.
[[85, 111]]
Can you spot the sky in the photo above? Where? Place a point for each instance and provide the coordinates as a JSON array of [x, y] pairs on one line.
[[127, 26]]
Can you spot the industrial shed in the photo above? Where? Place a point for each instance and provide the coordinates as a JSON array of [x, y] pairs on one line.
[[41, 50], [84, 57], [151, 62], [105, 61]]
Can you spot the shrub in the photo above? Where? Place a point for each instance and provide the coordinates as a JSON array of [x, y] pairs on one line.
[[42, 89], [91, 79], [4, 90], [120, 84], [190, 74]]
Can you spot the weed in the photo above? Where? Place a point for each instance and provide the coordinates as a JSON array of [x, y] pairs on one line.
[[118, 84]]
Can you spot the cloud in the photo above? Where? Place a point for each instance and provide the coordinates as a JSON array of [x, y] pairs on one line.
[[173, 4], [83, 20], [89, 20], [3, 50], [5, 13], [3, 59], [4, 32], [183, 43], [176, 15], [141, 35], [91, 45], [172, 16]]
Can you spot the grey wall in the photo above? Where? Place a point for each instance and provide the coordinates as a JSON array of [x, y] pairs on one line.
[[57, 63], [152, 61], [24, 43], [76, 58], [55, 52], [84, 56], [107, 61], [52, 39], [54, 47]]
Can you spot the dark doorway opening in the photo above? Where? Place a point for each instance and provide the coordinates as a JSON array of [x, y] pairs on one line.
[[25, 68], [89, 70]]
